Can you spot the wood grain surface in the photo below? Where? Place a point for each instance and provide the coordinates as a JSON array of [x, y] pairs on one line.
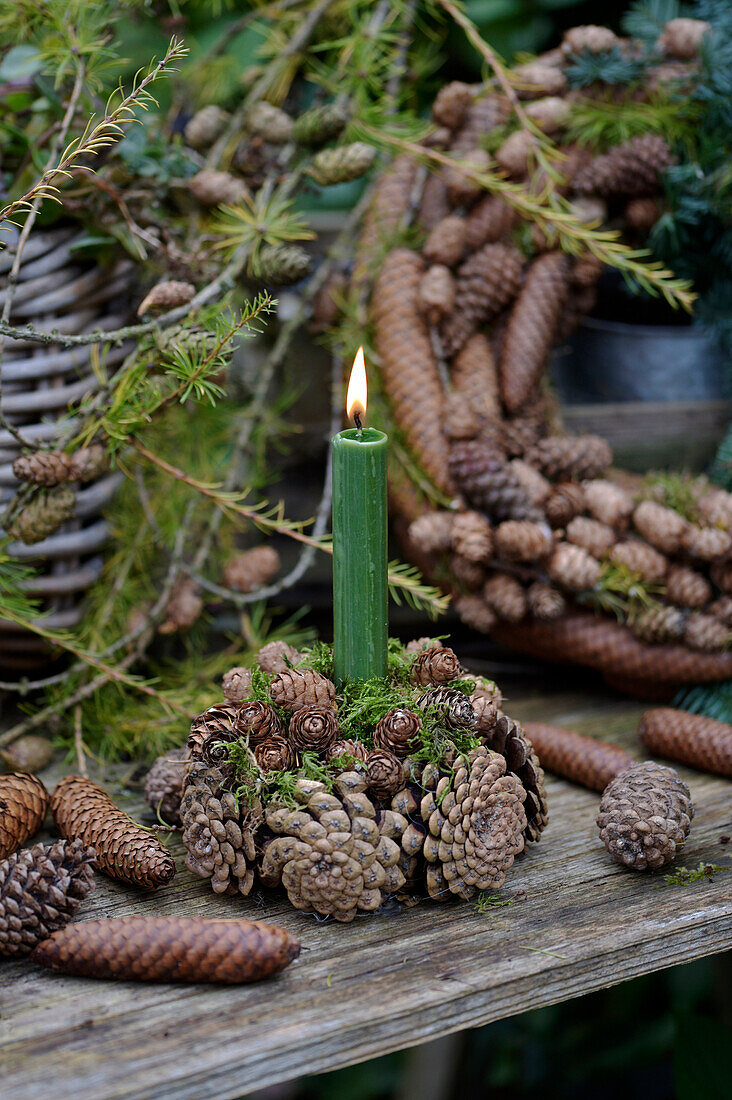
[[384, 982]]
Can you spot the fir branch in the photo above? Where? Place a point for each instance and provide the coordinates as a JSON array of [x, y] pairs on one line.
[[611, 67]]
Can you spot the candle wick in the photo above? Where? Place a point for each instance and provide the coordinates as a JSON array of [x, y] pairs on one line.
[[359, 425]]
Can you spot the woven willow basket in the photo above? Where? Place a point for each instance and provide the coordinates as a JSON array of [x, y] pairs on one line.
[[56, 291]]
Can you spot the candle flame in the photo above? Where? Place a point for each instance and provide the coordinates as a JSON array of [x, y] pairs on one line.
[[356, 398]]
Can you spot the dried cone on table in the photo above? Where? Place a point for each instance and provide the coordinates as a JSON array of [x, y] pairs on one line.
[[217, 836], [645, 816], [690, 739], [585, 760], [23, 805]]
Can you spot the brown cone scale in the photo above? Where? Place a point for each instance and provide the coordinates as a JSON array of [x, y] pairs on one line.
[[583, 760]]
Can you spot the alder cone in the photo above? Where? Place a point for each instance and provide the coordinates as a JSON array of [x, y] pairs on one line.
[[169, 949], [662, 527], [219, 719], [408, 366], [475, 378], [521, 540], [313, 729], [23, 805], [690, 739], [506, 596], [645, 816], [633, 168], [472, 537], [485, 283], [585, 760], [257, 721], [488, 482], [435, 666], [562, 458], [295, 688], [124, 850], [608, 502]]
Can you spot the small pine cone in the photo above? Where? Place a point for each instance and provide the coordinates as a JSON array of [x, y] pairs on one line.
[[706, 633], [88, 462], [589, 37], [641, 559], [707, 543], [608, 502], [164, 785], [29, 753], [462, 186], [485, 283], [551, 113], [445, 243], [545, 601], [398, 732], [516, 154], [217, 835], [470, 575], [488, 482], [472, 537], [682, 38], [521, 540], [432, 532], [169, 949], [277, 657], [451, 104], [257, 721], [482, 116], [537, 488], [484, 688], [220, 720], [275, 754], [687, 588], [166, 295], [295, 688], [282, 264], [573, 568], [536, 79], [23, 805], [585, 760], [384, 774], [475, 379], [236, 685], [183, 607], [506, 596], [342, 163], [435, 666], [459, 419], [43, 515], [645, 816], [662, 527], [722, 610], [715, 506], [594, 537], [434, 205], [475, 613], [658, 624], [314, 729], [566, 501], [320, 125], [642, 214], [45, 468], [721, 574], [562, 458], [270, 123], [690, 739], [634, 168], [454, 707], [490, 220], [124, 850], [206, 125], [486, 713], [41, 888], [417, 645], [346, 754], [436, 294], [252, 569], [213, 188]]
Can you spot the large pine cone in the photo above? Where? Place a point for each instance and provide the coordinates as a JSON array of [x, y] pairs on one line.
[[217, 836], [23, 805], [336, 854], [691, 739], [489, 483], [486, 282], [645, 816], [586, 760]]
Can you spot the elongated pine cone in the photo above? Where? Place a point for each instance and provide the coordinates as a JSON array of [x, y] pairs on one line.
[[390, 202], [217, 835], [336, 854], [169, 949], [562, 458], [314, 729], [252, 569], [41, 888], [277, 657], [164, 785], [489, 483], [688, 738], [585, 760], [522, 540], [398, 731], [124, 850], [475, 378], [633, 168], [236, 685], [471, 536], [218, 719], [23, 805], [257, 721], [513, 743], [645, 816], [297, 688], [435, 666], [485, 283]]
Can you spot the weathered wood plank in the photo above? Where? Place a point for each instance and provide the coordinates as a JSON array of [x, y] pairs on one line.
[[384, 982]]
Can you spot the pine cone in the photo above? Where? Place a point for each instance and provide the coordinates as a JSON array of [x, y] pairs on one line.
[[690, 739], [516, 155], [169, 949], [398, 732], [282, 264], [451, 104], [252, 569], [551, 114], [217, 835], [585, 760], [275, 754], [445, 243], [278, 657], [707, 543], [484, 688], [475, 822], [213, 188], [166, 295], [41, 888], [46, 468], [460, 176], [43, 515], [206, 125], [716, 507], [432, 532], [347, 753], [436, 666], [506, 596], [537, 79], [164, 785], [721, 574], [472, 537], [641, 559], [334, 856], [566, 501], [475, 378], [562, 458], [184, 606], [511, 741], [236, 685], [391, 201], [486, 282], [88, 462], [490, 220], [459, 420], [589, 37], [608, 502], [454, 708], [294, 689], [594, 537], [642, 214], [662, 527], [522, 540], [270, 123], [314, 729], [341, 164], [220, 719], [29, 753], [682, 38], [481, 117], [634, 168], [475, 613], [124, 850], [645, 816], [545, 602], [23, 805], [536, 486], [470, 575], [658, 624], [722, 610], [418, 645], [436, 294], [488, 482], [573, 568], [435, 204], [384, 774], [257, 721], [486, 714], [320, 125], [706, 633]]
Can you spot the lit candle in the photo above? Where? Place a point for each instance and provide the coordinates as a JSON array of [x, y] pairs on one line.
[[360, 590]]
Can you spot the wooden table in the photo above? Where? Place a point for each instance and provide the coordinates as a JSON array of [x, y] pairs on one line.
[[384, 982]]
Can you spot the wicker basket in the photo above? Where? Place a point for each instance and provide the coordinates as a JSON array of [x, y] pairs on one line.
[[56, 291]]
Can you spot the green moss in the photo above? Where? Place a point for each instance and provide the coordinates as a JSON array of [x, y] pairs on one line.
[[685, 877]]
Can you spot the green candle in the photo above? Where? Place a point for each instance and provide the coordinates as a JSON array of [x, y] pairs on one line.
[[360, 590]]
